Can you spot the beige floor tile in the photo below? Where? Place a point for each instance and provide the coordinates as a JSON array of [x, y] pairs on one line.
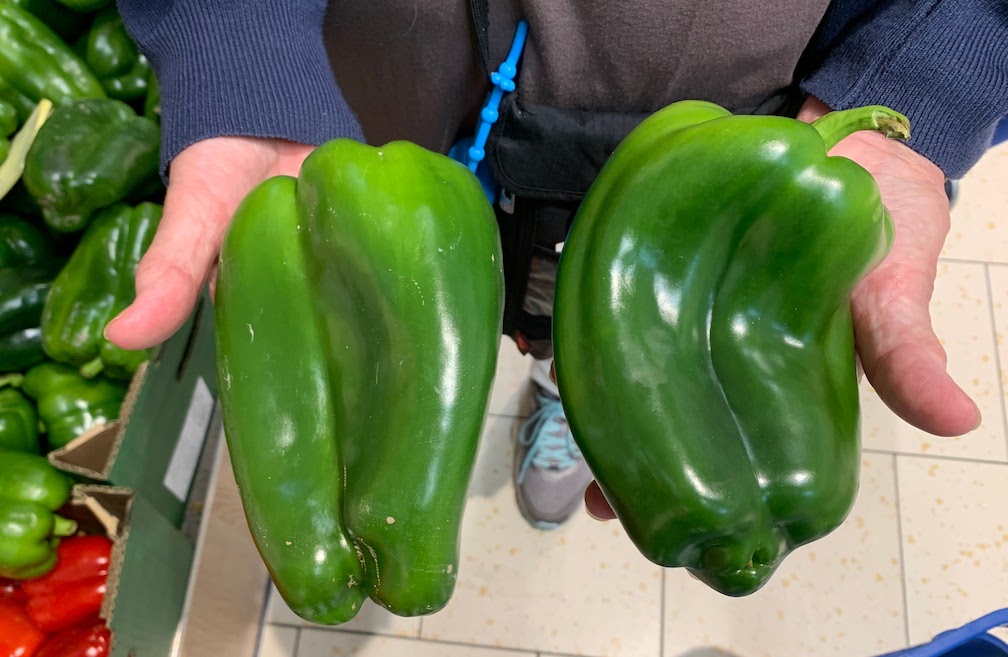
[[579, 589], [955, 542], [841, 595], [999, 299], [371, 618], [979, 230], [278, 641], [961, 316], [510, 391], [322, 643]]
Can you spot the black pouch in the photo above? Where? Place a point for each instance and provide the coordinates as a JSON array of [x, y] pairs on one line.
[[544, 159]]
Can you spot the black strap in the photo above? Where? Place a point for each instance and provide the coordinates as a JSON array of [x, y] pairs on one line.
[[481, 22]]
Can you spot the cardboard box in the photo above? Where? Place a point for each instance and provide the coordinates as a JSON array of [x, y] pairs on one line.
[[151, 470], [154, 446]]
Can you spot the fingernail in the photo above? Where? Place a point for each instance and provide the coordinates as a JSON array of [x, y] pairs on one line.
[[110, 323]]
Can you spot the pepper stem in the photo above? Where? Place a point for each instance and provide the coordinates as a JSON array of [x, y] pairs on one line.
[[12, 380], [834, 126], [64, 526], [92, 368]]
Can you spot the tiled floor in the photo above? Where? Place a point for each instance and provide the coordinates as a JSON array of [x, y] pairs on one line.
[[924, 550]]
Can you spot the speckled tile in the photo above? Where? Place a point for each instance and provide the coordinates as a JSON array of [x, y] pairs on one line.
[[955, 542], [999, 301], [580, 589], [277, 641], [371, 618], [979, 230], [322, 643], [961, 315], [511, 385], [841, 595]]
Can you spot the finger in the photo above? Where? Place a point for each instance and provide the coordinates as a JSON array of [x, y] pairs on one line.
[[596, 505], [906, 364], [552, 372]]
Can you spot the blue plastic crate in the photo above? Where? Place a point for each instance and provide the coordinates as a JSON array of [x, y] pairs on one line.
[[970, 640]]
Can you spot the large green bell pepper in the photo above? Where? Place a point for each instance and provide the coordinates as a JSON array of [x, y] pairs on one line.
[[89, 155], [97, 284], [359, 310], [70, 405], [31, 491], [703, 335], [19, 422], [114, 57], [23, 290], [37, 63]]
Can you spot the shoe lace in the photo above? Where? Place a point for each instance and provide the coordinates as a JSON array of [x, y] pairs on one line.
[[548, 437]]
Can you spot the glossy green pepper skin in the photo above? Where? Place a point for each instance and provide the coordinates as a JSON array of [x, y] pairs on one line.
[[70, 405], [358, 317], [37, 63], [67, 23], [89, 155], [19, 422], [23, 290], [113, 56], [703, 336], [22, 242], [97, 284], [31, 491], [8, 125], [86, 5], [22, 104]]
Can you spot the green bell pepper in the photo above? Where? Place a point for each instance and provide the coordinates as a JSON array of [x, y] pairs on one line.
[[70, 405], [358, 317], [97, 284], [31, 491], [19, 422], [23, 290], [38, 64], [703, 336], [8, 125], [152, 102], [86, 5], [22, 104], [113, 56], [67, 23], [22, 242], [90, 155]]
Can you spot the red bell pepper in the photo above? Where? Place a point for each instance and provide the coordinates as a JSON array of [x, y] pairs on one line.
[[73, 591], [11, 590], [77, 558], [82, 641], [18, 637], [71, 604]]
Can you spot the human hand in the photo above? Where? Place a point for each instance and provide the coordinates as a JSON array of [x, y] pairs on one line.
[[896, 344], [208, 181]]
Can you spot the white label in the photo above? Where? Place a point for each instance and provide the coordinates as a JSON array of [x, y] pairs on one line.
[[182, 466]]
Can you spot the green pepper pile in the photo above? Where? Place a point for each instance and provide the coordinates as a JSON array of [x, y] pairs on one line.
[[78, 209]]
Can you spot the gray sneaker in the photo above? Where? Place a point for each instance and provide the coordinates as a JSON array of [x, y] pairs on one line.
[[550, 475]]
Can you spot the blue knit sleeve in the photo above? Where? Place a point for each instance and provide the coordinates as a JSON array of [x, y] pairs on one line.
[[253, 68], [943, 63]]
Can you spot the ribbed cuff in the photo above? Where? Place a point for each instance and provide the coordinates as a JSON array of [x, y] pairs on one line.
[[942, 64], [255, 68]]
